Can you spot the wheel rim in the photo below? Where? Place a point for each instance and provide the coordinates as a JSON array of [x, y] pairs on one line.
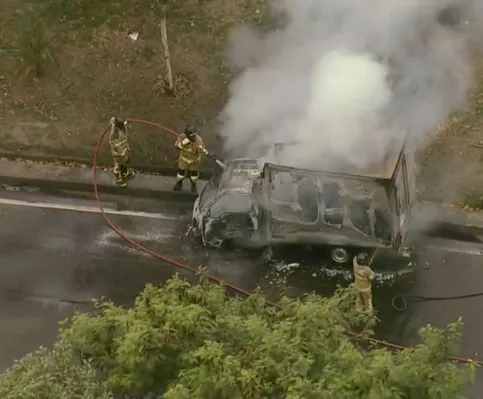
[[339, 255]]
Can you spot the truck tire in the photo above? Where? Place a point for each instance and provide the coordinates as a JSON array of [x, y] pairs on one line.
[[339, 255]]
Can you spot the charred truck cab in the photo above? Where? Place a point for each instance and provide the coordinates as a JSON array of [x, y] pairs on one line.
[[226, 209], [267, 205]]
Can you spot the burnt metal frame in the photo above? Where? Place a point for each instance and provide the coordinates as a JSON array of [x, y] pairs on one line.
[[392, 192], [218, 194], [289, 203], [336, 176], [389, 185]]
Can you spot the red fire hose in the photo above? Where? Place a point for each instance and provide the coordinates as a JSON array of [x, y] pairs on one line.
[[189, 268]]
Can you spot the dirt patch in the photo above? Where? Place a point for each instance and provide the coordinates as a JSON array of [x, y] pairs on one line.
[[90, 70]]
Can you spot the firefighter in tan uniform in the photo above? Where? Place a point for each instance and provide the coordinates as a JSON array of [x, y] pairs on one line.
[[120, 151], [363, 276], [191, 148]]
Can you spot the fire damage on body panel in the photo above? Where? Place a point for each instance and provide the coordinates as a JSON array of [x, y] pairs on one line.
[[320, 208], [225, 209], [264, 205]]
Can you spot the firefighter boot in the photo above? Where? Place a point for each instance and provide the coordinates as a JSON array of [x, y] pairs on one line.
[[178, 186], [120, 181], [193, 187], [130, 174], [119, 176]]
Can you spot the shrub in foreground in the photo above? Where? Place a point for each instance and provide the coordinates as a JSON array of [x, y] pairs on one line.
[[195, 341]]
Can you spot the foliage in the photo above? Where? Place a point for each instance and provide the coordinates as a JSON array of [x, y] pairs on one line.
[[34, 46], [184, 341], [49, 374], [473, 201]]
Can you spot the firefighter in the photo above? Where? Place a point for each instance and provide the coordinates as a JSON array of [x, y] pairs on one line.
[[191, 148], [120, 151], [363, 276]]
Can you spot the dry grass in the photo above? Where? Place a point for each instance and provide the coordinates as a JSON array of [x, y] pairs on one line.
[[453, 163], [102, 72], [472, 115]]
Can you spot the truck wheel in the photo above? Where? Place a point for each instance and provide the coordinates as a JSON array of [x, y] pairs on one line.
[[339, 255]]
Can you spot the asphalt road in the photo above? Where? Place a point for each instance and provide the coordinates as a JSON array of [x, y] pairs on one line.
[[51, 257], [443, 274]]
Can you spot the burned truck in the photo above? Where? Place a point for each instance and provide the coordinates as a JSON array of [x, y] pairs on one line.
[[266, 205]]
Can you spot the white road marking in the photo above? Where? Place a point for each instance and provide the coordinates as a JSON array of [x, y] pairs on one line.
[[89, 209]]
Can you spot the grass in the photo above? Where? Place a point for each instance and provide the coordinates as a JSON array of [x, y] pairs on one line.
[[87, 70], [473, 201], [82, 14], [453, 163], [148, 52], [472, 114], [34, 48]]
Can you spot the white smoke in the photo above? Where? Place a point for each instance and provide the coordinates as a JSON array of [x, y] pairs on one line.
[[354, 95], [344, 82]]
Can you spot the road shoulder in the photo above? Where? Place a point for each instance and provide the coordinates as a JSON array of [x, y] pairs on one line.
[[16, 174]]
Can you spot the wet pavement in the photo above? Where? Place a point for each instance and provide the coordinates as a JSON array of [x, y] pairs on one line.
[[50, 258], [444, 274]]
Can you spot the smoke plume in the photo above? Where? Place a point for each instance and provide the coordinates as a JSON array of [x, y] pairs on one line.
[[343, 83]]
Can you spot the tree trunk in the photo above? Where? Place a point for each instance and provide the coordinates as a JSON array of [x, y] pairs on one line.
[[167, 58]]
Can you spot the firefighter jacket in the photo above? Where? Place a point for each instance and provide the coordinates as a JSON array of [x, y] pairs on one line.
[[190, 152], [363, 276], [119, 145]]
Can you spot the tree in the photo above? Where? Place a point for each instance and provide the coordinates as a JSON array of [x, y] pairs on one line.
[[196, 341], [53, 374]]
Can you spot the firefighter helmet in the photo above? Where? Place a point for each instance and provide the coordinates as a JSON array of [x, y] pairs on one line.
[[118, 122], [190, 132], [363, 259]]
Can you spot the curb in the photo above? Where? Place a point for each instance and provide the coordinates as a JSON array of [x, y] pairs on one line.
[[58, 185], [205, 174]]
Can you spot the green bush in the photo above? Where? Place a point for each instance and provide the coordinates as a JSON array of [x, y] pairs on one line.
[[184, 341], [52, 374]]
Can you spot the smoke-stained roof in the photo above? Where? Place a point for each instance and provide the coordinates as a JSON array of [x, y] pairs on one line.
[[384, 169], [239, 175]]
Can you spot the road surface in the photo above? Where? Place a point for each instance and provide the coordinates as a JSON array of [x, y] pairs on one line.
[[56, 251], [443, 274]]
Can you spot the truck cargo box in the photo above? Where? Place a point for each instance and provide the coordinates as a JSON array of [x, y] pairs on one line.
[[267, 205], [368, 209]]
